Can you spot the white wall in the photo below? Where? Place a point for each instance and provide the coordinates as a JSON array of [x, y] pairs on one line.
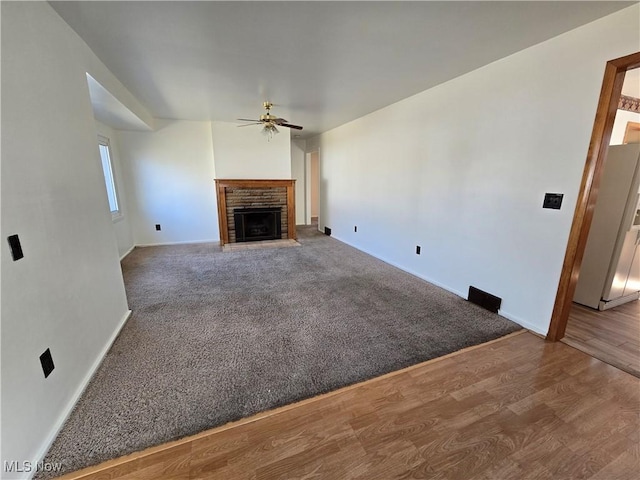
[[620, 125], [461, 170], [245, 153], [298, 173], [67, 293], [122, 224], [170, 181]]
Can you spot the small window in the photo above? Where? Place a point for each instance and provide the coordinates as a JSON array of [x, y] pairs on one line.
[[107, 170]]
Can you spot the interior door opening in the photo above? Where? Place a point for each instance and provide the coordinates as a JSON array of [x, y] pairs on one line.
[[613, 80], [597, 305], [604, 320], [313, 188]]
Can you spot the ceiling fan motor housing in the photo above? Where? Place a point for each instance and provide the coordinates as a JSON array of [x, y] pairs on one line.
[[267, 117]]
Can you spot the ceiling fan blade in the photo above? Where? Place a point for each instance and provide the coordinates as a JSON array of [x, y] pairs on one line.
[[269, 121], [295, 127]]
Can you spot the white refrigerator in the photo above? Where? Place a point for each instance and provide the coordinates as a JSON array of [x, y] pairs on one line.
[[610, 271]]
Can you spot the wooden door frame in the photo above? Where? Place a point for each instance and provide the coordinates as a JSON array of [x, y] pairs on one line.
[[594, 166]]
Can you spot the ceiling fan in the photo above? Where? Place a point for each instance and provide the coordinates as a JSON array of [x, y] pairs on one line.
[[269, 121]]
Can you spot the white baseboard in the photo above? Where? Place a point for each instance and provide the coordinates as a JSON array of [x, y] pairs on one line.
[[176, 243], [507, 315], [404, 269], [523, 323], [127, 252], [79, 391]]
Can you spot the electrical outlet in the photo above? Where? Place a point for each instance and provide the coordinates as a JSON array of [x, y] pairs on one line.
[[418, 249], [158, 228], [47, 363], [552, 200], [16, 248], [355, 229]]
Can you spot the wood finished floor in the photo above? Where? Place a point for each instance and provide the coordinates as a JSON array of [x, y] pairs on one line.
[[612, 336], [516, 408]]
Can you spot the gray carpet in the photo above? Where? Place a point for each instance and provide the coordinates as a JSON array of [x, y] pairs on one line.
[[216, 336]]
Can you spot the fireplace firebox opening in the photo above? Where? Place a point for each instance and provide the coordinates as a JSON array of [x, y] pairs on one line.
[[255, 224]]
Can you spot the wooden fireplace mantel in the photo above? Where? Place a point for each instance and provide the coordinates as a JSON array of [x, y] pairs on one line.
[[221, 189]]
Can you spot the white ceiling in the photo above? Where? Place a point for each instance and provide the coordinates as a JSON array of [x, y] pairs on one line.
[[322, 63]]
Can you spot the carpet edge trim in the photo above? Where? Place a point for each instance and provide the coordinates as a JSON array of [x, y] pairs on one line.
[[523, 323], [95, 469]]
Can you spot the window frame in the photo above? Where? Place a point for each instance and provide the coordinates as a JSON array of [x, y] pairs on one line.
[[111, 187]]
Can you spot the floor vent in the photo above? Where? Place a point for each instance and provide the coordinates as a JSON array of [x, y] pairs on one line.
[[484, 299]]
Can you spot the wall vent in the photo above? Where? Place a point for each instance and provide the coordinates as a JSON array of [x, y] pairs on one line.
[[484, 299], [327, 231]]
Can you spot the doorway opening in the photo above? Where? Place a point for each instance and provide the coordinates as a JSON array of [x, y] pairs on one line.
[[604, 320], [602, 136], [313, 187]]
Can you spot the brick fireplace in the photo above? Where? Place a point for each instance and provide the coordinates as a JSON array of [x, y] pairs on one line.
[[254, 205]]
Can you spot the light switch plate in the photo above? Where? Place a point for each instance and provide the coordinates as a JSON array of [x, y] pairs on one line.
[[552, 200]]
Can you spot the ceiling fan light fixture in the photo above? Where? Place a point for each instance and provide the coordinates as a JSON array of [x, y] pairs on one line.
[[269, 122], [270, 130]]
